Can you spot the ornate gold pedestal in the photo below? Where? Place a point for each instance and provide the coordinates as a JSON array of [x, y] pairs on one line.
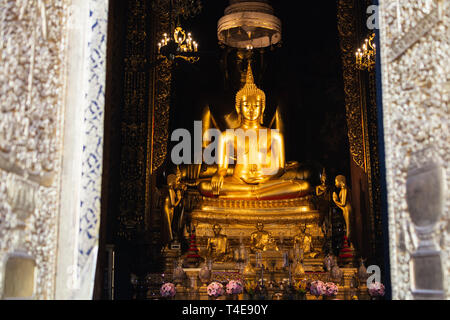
[[239, 217]]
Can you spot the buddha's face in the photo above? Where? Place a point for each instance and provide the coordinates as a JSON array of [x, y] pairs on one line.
[[251, 107], [259, 226], [216, 229]]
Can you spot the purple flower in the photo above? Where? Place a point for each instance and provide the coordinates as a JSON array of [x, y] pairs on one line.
[[234, 287], [215, 289], [376, 289], [317, 288], [168, 290]]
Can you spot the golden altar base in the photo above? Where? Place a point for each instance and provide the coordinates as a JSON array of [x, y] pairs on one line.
[[239, 217]]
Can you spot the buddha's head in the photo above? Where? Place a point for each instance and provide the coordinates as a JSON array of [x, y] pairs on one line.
[[259, 226], [172, 180], [323, 177], [340, 181], [216, 229], [250, 100]]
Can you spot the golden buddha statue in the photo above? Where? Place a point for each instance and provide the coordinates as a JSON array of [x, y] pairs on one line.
[[303, 241], [262, 240], [260, 171], [343, 202], [217, 247]]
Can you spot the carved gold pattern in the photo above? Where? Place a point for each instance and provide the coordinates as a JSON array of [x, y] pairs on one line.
[[134, 123], [161, 103], [347, 31]]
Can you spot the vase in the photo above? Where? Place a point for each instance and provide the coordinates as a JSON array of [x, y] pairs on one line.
[[205, 274], [325, 297]]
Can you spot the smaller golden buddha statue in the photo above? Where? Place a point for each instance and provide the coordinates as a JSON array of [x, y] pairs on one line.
[[217, 247], [303, 242], [262, 240], [343, 202]]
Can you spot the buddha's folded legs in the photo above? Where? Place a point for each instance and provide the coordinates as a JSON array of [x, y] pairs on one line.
[[270, 190]]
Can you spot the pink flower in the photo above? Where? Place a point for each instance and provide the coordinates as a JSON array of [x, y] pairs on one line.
[[215, 289], [376, 289], [331, 289], [234, 287], [317, 288], [168, 290]]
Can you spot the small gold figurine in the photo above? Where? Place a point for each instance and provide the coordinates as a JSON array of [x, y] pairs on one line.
[[303, 241], [172, 201], [217, 247], [262, 240], [322, 190], [343, 202], [323, 194]]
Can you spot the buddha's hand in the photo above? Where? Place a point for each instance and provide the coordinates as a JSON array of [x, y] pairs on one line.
[[334, 196], [216, 184]]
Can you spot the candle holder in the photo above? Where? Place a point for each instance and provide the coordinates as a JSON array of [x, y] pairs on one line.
[[365, 56]]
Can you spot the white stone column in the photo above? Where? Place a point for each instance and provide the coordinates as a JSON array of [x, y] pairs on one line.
[[83, 149], [415, 55]]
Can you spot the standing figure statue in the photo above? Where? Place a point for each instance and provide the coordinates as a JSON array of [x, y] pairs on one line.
[[343, 202], [323, 189], [172, 203], [323, 193]]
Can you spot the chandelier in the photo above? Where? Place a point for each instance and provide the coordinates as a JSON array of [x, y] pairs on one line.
[[365, 56], [179, 43]]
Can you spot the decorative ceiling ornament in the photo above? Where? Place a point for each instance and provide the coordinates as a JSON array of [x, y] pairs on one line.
[[249, 24]]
